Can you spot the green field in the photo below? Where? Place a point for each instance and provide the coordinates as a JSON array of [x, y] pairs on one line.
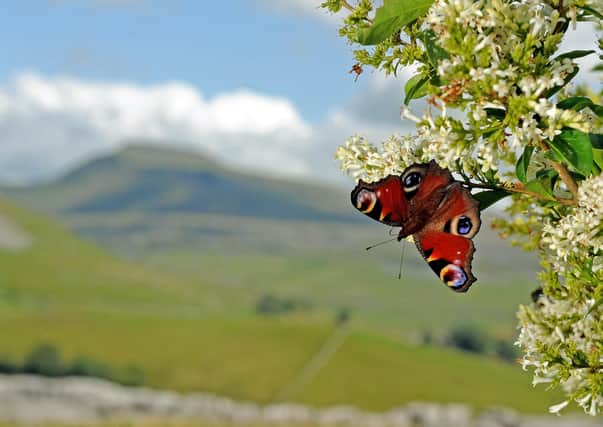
[[196, 330], [236, 237]]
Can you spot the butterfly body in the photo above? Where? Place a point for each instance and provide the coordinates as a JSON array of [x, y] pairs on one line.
[[428, 204]]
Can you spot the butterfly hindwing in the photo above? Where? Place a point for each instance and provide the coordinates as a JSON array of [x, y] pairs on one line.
[[445, 241]]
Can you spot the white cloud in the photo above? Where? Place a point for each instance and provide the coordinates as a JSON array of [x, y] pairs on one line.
[[49, 124], [300, 8], [293, 6]]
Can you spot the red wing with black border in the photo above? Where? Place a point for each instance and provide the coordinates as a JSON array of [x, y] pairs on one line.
[[445, 241]]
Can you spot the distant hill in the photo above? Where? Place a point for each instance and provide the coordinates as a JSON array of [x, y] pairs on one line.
[[160, 181]]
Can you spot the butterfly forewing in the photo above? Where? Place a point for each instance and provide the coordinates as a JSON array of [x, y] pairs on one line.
[[382, 200]]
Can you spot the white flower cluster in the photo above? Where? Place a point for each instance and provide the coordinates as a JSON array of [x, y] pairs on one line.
[[579, 235], [534, 87], [496, 29], [496, 43], [560, 338], [435, 139], [556, 119], [363, 160], [500, 68], [550, 123], [563, 335]]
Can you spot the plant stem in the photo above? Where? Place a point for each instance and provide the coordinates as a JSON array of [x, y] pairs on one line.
[[351, 8], [519, 188], [564, 174], [567, 178], [347, 5]]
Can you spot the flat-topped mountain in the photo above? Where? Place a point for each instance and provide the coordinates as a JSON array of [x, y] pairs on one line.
[[159, 180]]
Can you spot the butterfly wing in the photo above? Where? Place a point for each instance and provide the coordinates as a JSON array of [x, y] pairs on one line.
[[406, 200], [445, 240], [441, 215], [425, 187], [382, 200]]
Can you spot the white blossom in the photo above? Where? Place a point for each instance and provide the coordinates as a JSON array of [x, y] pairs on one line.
[[497, 59], [556, 408], [365, 161], [580, 234]]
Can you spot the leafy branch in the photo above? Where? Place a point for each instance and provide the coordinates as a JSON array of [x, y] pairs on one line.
[[518, 188], [498, 62]]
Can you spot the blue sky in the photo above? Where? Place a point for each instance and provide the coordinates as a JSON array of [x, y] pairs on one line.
[[258, 84], [214, 45]]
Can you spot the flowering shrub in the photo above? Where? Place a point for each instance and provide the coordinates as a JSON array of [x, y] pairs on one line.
[[525, 134]]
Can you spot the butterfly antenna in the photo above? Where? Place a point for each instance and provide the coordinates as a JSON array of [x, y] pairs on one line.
[[381, 243], [401, 261]]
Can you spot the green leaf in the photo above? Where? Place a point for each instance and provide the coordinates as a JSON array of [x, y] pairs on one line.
[[487, 133], [568, 78], [594, 307], [490, 175], [549, 174], [416, 87], [592, 11], [488, 198], [574, 148], [598, 158], [434, 51], [574, 54], [542, 187], [497, 113], [596, 140], [521, 169], [578, 103], [544, 183], [391, 17]]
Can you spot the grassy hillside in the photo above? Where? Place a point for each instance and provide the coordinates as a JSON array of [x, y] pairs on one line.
[[255, 359], [400, 372], [185, 336], [183, 214]]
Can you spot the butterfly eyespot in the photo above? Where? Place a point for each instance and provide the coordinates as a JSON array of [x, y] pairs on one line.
[[453, 275], [412, 181], [365, 201], [464, 225]]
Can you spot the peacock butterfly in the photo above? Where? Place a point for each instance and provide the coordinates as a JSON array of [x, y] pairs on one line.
[[440, 214]]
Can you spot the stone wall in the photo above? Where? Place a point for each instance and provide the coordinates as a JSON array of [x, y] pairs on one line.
[[32, 399]]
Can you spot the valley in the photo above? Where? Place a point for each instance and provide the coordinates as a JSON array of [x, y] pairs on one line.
[[170, 279]]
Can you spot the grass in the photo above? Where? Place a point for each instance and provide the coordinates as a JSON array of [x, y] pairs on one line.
[[418, 302], [399, 373], [191, 326], [247, 359], [323, 264], [227, 261]]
